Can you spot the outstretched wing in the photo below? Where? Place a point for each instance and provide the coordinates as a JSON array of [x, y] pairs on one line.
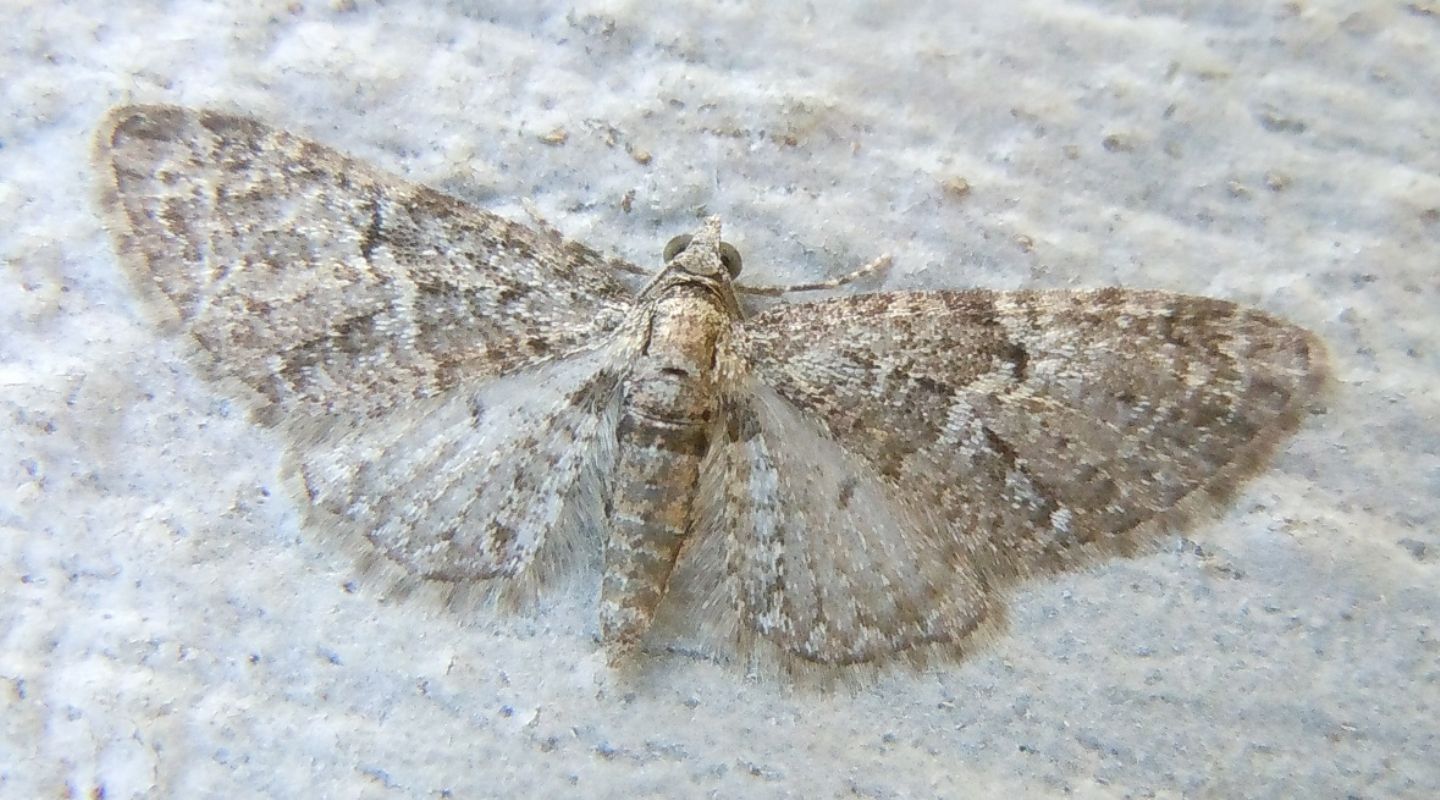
[[441, 372], [912, 451], [324, 284], [803, 552], [471, 484]]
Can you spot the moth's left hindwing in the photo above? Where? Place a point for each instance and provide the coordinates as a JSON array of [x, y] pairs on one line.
[[440, 371]]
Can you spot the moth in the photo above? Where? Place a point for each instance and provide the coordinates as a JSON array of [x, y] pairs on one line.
[[848, 481]]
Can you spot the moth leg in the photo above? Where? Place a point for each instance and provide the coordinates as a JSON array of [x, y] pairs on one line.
[[553, 233], [540, 222], [883, 262]]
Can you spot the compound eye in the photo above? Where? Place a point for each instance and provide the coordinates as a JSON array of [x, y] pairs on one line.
[[730, 257], [676, 246]]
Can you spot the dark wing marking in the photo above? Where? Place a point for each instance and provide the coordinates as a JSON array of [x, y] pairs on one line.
[[326, 285]]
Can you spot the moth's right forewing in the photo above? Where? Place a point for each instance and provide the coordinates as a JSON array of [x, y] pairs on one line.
[[1048, 428]]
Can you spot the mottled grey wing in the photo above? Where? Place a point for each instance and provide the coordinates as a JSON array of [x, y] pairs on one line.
[[441, 373], [326, 285], [803, 552], [485, 481], [1001, 433]]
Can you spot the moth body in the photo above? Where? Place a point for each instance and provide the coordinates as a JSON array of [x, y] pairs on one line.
[[669, 403]]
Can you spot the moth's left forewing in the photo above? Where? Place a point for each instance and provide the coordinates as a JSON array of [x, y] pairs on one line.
[[443, 376], [324, 285]]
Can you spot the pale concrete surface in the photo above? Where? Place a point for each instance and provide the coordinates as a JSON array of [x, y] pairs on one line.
[[167, 629]]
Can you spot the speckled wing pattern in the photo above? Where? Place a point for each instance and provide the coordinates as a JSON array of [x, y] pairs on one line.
[[828, 484], [338, 296], [325, 285], [1008, 433]]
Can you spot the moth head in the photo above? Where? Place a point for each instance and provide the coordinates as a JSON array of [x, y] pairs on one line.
[[703, 253]]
